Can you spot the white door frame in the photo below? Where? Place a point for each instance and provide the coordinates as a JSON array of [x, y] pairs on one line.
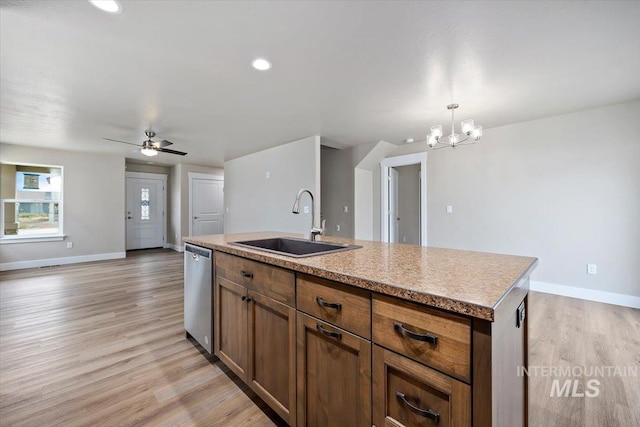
[[390, 162], [159, 176], [197, 175]]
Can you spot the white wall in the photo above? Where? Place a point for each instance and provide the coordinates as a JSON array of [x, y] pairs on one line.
[[363, 204], [257, 203], [565, 189], [337, 179], [94, 198]]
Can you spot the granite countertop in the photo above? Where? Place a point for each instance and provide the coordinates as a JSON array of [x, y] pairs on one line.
[[465, 282]]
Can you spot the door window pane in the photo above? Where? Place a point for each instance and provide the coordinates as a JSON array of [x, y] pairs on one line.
[[144, 204]]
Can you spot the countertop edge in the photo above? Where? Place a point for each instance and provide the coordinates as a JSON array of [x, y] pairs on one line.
[[441, 302]]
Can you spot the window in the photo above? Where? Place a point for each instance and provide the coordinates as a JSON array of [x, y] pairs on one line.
[[31, 199]]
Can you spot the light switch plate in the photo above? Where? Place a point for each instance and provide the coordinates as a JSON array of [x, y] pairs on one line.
[[449, 209]]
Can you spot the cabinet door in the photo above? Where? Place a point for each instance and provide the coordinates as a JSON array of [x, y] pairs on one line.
[[408, 393], [334, 376], [272, 341], [231, 344]]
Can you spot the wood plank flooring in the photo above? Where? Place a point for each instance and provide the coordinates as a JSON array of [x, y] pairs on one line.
[[103, 344]]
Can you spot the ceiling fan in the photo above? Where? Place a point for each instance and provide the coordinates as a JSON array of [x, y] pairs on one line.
[[151, 148]]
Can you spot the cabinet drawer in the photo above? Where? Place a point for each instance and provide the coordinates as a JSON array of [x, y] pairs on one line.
[[438, 339], [333, 376], [408, 393], [274, 282], [340, 305]]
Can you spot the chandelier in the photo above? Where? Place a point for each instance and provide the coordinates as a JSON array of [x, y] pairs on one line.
[[472, 132]]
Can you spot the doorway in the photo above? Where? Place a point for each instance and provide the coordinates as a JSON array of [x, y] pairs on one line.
[[397, 199], [146, 204], [206, 202]]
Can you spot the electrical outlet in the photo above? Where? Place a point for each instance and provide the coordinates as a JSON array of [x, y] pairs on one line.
[[268, 175], [449, 209], [345, 209], [305, 209], [338, 227], [69, 245], [592, 269]]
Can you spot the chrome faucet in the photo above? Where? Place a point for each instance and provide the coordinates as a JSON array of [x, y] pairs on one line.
[[296, 210]]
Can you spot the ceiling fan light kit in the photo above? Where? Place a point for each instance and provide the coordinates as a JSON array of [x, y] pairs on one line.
[[148, 151], [472, 132], [152, 148]]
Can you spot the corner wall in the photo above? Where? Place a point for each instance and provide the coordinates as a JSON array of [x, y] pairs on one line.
[[337, 191], [178, 201], [258, 203]]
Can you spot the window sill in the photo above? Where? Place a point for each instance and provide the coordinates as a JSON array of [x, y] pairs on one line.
[[32, 239]]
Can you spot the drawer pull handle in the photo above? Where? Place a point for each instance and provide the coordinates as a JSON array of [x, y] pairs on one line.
[[420, 337], [243, 298], [323, 331], [324, 303], [246, 274], [428, 413]]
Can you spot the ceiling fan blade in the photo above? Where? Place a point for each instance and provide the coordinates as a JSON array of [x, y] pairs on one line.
[[124, 142], [163, 143], [166, 150]]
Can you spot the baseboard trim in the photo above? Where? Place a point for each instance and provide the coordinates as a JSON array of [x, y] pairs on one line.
[[60, 261], [177, 248], [586, 294]]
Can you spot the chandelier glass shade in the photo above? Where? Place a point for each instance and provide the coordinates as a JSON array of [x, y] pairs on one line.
[[470, 133]]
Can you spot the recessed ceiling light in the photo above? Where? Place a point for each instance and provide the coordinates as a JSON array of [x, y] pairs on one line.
[[261, 64], [408, 140], [111, 6]]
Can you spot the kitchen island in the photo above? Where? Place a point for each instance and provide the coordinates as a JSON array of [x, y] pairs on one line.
[[387, 334]]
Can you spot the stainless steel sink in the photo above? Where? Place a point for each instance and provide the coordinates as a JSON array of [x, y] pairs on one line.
[[297, 248]]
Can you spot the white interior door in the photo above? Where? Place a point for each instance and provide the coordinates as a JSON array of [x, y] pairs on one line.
[[145, 213], [393, 205], [206, 206]]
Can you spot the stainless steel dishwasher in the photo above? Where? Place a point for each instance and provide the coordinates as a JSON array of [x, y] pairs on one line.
[[198, 295]]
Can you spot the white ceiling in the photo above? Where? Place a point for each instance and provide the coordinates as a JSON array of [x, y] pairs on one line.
[[351, 72]]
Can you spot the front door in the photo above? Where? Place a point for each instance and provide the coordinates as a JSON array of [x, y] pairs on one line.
[[206, 206], [145, 213]]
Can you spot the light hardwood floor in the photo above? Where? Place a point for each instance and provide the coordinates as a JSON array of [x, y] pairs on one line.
[[103, 344]]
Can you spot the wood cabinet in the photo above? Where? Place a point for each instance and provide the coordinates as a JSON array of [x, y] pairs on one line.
[[322, 353], [255, 335], [408, 393], [334, 375], [230, 336], [345, 307], [436, 338], [272, 368]]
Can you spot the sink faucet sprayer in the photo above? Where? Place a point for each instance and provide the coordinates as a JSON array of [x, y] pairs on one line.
[[296, 210]]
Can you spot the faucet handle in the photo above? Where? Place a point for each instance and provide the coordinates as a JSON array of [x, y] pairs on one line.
[[316, 232]]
